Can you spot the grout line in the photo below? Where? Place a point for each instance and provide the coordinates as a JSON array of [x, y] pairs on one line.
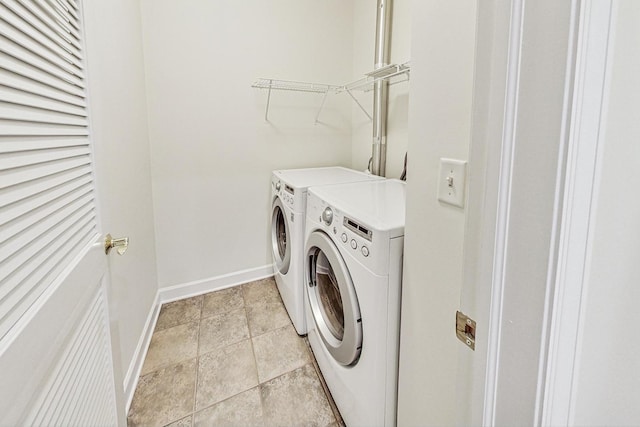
[[195, 385], [255, 361], [175, 362]]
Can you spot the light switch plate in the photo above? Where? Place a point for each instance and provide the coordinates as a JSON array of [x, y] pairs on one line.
[[452, 181]]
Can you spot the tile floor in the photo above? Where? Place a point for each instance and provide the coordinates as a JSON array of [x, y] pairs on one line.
[[230, 358]]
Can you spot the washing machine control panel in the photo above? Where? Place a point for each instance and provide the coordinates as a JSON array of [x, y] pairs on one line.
[[286, 193]]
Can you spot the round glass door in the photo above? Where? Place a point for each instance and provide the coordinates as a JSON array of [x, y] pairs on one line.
[[280, 237], [333, 300]]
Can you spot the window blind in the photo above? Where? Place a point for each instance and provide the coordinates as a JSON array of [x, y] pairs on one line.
[[47, 206]]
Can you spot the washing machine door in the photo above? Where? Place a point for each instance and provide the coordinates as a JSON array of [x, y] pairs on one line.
[[280, 237], [333, 300]]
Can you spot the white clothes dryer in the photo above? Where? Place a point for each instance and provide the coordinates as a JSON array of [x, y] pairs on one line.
[[353, 273], [289, 201]]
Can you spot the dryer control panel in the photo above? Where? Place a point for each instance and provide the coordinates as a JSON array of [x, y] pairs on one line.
[[354, 238]]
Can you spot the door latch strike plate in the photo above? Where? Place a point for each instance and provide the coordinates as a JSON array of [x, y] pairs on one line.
[[466, 330]]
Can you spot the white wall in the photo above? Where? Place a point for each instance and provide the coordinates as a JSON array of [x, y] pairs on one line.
[[123, 174], [212, 151], [607, 389], [442, 52], [364, 31]]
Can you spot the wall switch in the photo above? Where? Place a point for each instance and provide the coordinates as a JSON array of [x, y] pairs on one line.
[[452, 181]]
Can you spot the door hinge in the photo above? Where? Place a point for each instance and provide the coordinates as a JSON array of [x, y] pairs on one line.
[[466, 330]]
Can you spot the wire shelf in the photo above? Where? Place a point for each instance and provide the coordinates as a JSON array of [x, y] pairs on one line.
[[387, 73], [273, 84]]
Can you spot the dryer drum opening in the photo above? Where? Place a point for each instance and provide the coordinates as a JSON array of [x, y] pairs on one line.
[[329, 295], [333, 303]]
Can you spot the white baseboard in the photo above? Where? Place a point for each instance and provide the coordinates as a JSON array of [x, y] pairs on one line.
[[199, 287], [135, 367], [177, 292]]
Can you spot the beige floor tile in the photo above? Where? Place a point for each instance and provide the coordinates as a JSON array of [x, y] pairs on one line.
[[266, 316], [184, 422], [164, 395], [225, 373], [242, 410], [296, 398], [179, 312], [222, 330], [264, 290], [219, 302], [171, 345], [279, 351]]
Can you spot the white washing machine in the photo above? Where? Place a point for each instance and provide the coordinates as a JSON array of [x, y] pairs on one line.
[[354, 240], [289, 201]]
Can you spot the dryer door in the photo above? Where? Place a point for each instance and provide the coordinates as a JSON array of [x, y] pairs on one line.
[[333, 300], [280, 237]]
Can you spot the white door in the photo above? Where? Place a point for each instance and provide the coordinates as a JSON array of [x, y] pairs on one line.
[[56, 359]]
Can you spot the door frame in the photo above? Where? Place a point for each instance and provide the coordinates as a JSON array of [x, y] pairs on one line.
[[584, 112], [587, 113]]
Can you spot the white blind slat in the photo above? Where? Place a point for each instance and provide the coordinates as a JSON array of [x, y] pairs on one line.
[[13, 144], [39, 28], [14, 96], [46, 267], [28, 71], [51, 22], [37, 48], [11, 49], [43, 203], [18, 128], [30, 228], [36, 157], [44, 184], [54, 13], [17, 176], [60, 412], [63, 14], [73, 4], [71, 10], [22, 264], [23, 113], [42, 90]]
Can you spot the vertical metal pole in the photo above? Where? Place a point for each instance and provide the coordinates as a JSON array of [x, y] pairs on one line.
[[381, 88]]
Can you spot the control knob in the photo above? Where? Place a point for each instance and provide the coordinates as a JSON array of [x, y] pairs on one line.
[[278, 186], [327, 215]]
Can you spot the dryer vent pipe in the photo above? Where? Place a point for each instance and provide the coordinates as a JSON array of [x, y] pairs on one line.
[[381, 88]]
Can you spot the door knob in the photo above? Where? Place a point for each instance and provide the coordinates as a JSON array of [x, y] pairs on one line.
[[120, 244]]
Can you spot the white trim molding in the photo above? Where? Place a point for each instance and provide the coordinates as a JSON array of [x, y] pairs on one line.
[[503, 209], [199, 287], [587, 110], [135, 367]]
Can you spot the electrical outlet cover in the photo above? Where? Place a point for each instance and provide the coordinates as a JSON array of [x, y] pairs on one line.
[[452, 181]]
